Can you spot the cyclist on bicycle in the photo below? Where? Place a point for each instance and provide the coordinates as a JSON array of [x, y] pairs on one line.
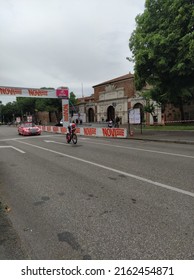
[[71, 128], [71, 135]]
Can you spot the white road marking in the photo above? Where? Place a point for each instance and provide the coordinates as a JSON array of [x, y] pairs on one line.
[[27, 138], [12, 147], [178, 190], [98, 143], [60, 143], [140, 149], [49, 141]]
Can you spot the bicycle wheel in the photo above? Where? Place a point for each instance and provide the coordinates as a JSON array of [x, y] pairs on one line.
[[68, 137], [74, 138]]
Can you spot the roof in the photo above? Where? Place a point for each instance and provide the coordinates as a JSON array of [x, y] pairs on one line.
[[85, 99], [121, 78]]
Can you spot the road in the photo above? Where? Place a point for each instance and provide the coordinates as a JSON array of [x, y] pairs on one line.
[[100, 199]]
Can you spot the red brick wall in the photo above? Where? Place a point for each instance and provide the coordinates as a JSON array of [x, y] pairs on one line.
[[128, 85]]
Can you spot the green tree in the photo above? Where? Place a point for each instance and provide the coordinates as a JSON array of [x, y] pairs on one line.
[[149, 107], [72, 103], [26, 105], [50, 105], [163, 50], [30, 105], [10, 111]]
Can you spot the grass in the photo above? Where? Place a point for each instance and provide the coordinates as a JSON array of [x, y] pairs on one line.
[[167, 127]]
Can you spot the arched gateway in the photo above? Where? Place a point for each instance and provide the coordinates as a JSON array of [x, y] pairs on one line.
[[90, 115], [110, 113], [62, 92]]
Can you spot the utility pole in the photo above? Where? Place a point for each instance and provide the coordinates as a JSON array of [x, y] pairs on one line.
[[82, 91]]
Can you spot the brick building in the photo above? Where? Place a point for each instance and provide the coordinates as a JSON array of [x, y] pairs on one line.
[[114, 98]]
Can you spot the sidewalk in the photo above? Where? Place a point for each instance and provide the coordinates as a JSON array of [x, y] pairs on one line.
[[183, 136]]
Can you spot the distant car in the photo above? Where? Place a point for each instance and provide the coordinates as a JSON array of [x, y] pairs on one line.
[[29, 129], [59, 123]]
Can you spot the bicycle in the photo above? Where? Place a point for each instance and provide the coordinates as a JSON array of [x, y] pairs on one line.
[[71, 137]]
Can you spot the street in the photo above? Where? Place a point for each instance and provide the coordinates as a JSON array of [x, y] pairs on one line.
[[100, 199]]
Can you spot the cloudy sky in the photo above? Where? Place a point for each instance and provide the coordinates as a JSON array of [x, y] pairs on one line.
[[74, 43]]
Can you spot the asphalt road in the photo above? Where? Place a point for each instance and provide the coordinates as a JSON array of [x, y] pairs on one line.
[[100, 199]]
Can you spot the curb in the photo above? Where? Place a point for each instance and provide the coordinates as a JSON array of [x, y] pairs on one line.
[[163, 140]]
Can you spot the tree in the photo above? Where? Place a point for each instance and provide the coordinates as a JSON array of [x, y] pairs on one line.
[[49, 105], [26, 105], [30, 105], [72, 103], [10, 111], [163, 50], [149, 107]]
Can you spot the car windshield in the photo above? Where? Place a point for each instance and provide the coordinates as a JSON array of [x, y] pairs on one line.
[[28, 124]]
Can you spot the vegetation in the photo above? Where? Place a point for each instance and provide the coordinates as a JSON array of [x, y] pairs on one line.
[[163, 51], [149, 107], [169, 127], [166, 127]]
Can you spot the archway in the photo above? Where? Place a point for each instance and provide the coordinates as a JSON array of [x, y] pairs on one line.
[[140, 106], [111, 113], [90, 115]]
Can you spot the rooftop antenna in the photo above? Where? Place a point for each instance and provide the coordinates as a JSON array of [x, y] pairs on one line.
[[82, 91]]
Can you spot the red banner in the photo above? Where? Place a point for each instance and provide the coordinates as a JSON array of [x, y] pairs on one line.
[[89, 131], [113, 132], [63, 93]]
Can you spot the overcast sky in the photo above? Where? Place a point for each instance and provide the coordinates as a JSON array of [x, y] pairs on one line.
[[74, 43]]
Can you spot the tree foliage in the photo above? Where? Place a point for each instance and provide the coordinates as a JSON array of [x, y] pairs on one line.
[[149, 107], [72, 103], [163, 50], [9, 111]]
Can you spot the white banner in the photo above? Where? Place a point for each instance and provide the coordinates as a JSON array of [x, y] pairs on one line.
[[27, 92], [90, 131], [97, 269], [134, 116]]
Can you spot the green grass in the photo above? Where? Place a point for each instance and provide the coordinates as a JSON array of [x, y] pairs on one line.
[[165, 127]]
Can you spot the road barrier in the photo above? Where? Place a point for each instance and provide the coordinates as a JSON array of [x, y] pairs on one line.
[[90, 131]]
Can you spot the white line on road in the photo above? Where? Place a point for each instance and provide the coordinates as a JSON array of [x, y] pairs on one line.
[[27, 137], [12, 147], [114, 170], [105, 144], [60, 143], [143, 150]]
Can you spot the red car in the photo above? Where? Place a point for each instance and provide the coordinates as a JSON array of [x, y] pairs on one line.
[[29, 129]]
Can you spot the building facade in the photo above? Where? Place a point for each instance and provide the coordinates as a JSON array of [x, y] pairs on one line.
[[114, 98]]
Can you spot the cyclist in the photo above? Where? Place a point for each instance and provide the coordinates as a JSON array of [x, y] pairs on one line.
[[71, 127], [71, 135]]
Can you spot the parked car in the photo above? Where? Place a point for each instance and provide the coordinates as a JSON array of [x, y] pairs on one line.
[[59, 123], [29, 129]]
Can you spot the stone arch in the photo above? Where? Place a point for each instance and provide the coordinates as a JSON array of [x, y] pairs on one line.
[[111, 113], [140, 106], [90, 115]]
